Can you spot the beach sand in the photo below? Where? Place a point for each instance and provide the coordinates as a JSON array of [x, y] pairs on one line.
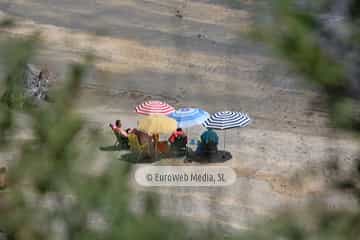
[[201, 60]]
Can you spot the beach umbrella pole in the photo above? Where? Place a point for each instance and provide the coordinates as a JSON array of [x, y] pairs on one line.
[[155, 147], [186, 146]]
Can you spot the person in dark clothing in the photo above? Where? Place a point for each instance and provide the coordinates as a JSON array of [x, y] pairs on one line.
[[179, 132]]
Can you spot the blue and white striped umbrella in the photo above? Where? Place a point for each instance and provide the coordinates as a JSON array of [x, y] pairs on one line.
[[226, 120], [189, 117]]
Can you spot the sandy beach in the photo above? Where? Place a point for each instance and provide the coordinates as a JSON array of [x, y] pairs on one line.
[[143, 51]]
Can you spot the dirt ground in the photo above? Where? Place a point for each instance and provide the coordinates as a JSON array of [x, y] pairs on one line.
[[200, 59]]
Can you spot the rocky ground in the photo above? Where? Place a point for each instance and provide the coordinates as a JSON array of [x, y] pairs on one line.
[[194, 53]]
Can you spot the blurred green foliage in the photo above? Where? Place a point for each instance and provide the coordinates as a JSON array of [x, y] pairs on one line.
[[320, 40], [15, 54], [52, 193]]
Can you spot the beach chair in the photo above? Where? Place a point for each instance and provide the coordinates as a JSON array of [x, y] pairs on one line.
[[163, 147], [136, 147], [179, 146], [121, 141]]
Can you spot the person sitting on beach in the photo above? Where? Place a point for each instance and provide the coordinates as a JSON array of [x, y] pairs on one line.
[[42, 84], [178, 133], [209, 139], [117, 128]]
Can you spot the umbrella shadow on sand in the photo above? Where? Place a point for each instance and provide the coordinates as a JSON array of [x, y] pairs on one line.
[[171, 159], [135, 158], [112, 148], [126, 155], [168, 158], [219, 157]]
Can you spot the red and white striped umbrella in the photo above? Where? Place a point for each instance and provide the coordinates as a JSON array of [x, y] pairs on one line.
[[154, 107]]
